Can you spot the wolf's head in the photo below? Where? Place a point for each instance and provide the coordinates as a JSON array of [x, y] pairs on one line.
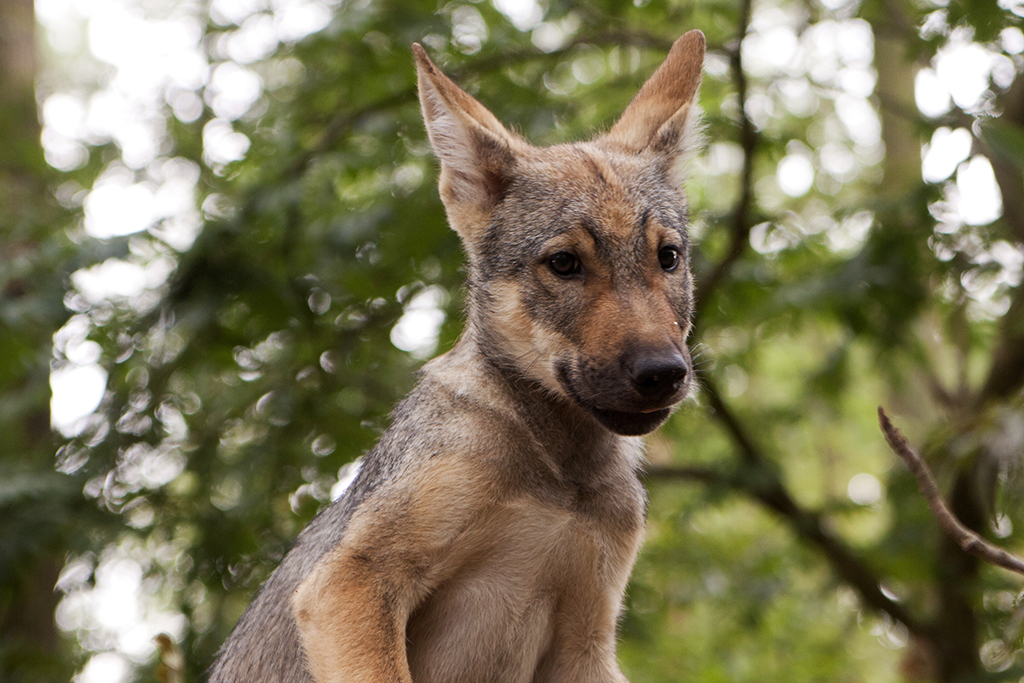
[[579, 268]]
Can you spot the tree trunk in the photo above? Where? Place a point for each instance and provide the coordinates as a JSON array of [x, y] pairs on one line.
[[33, 554], [954, 634]]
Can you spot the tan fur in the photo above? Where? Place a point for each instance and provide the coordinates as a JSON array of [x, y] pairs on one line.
[[614, 318], [490, 534], [522, 572], [657, 114], [533, 346]]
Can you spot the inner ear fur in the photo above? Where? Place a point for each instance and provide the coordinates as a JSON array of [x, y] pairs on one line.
[[476, 152], [664, 112]]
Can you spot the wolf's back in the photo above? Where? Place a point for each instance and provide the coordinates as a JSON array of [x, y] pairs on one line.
[[264, 646]]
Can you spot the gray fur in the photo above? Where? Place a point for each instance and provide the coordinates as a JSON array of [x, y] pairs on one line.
[[489, 534], [264, 645]]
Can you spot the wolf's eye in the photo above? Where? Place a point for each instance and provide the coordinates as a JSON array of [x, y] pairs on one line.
[[564, 264], [668, 258]]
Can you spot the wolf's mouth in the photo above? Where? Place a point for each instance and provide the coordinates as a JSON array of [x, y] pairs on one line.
[[625, 423], [631, 424]]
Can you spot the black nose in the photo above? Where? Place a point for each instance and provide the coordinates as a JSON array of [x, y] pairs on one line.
[[657, 376]]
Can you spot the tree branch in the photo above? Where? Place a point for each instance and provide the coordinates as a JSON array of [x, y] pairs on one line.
[[748, 450], [1008, 174], [741, 223], [969, 541], [705, 475], [1006, 374], [759, 480]]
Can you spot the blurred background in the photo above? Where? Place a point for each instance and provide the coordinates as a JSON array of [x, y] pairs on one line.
[[223, 258]]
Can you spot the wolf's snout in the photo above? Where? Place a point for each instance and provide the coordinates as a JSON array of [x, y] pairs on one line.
[[657, 376]]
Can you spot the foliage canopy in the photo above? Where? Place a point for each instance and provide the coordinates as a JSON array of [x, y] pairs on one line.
[[261, 353]]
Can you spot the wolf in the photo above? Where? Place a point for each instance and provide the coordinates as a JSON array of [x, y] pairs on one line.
[[490, 534]]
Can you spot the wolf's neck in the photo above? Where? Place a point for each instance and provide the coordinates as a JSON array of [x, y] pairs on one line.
[[573, 437]]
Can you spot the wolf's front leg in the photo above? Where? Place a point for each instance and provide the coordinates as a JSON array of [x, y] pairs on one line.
[[351, 619], [584, 639], [353, 607], [588, 665]]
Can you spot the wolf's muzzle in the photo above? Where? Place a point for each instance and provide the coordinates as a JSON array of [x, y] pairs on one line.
[[633, 395]]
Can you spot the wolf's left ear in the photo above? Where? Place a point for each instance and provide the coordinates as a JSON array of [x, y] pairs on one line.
[[664, 112], [477, 153]]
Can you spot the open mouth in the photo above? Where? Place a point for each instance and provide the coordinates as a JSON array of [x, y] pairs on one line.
[[631, 424]]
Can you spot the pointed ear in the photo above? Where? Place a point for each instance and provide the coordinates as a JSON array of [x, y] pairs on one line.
[[665, 110], [477, 153]]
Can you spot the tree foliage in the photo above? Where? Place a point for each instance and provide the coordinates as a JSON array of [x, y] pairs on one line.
[[260, 357]]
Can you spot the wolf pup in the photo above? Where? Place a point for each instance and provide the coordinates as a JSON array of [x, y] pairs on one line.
[[490, 534]]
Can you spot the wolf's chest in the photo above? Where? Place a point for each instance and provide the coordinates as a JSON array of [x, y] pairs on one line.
[[526, 576]]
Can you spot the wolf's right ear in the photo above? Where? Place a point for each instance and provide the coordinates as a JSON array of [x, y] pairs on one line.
[[477, 153]]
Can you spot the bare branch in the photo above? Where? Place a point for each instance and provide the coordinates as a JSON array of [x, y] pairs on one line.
[[969, 541]]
